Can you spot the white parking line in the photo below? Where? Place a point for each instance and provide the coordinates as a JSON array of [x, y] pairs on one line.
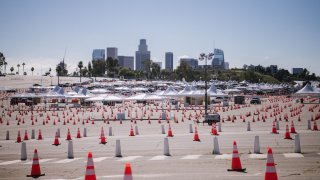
[[66, 160], [258, 156], [129, 158], [223, 156], [40, 161], [157, 158], [293, 155], [137, 175], [10, 162], [191, 157], [99, 159]]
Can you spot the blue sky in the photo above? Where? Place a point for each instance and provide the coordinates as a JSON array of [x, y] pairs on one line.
[[282, 32]]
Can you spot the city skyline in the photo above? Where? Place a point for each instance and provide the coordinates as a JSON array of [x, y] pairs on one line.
[[285, 33]]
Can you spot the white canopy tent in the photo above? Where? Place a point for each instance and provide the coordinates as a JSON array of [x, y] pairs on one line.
[[308, 90]]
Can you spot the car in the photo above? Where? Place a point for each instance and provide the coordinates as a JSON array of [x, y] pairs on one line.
[[255, 100], [212, 118], [218, 99]]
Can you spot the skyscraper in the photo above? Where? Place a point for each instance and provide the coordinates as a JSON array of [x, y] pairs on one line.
[[126, 62], [193, 63], [98, 54], [218, 59], [297, 70], [112, 52], [169, 61], [142, 54]]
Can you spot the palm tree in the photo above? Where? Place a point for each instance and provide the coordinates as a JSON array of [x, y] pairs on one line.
[[18, 65], [23, 64], [5, 67], [58, 70], [80, 66], [32, 69], [2, 60], [12, 69]]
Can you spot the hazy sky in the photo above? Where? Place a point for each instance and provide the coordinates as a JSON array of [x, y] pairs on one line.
[[282, 32]]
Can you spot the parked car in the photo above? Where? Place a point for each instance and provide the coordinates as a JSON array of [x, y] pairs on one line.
[[219, 99], [212, 118], [255, 100]]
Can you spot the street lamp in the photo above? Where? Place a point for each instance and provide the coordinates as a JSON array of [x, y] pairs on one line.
[[205, 57]]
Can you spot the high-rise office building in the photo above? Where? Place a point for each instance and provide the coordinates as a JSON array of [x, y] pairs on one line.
[[169, 61], [218, 59], [193, 63], [273, 69], [126, 62], [297, 70], [112, 52], [142, 54], [98, 54], [226, 65]]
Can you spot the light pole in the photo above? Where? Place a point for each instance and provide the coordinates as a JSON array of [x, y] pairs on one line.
[[205, 57]]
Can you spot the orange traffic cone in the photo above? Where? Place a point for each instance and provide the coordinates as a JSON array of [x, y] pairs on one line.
[[196, 135], [287, 134], [127, 172], [35, 169], [170, 132], [271, 173], [315, 126], [90, 173], [131, 132], [214, 130], [56, 140], [69, 135], [26, 136], [236, 163], [274, 129], [78, 133], [39, 135], [19, 138], [293, 129]]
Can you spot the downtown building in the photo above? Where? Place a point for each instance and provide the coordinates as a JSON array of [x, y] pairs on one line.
[[142, 55], [218, 59], [193, 63], [297, 70], [98, 54], [112, 52], [169, 61], [126, 62]]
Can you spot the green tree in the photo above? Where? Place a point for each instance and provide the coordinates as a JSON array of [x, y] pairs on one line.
[[59, 72], [2, 60], [111, 66], [155, 71], [90, 69], [147, 67], [84, 71], [32, 69], [80, 66], [184, 71], [12, 69], [99, 67], [61, 69]]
